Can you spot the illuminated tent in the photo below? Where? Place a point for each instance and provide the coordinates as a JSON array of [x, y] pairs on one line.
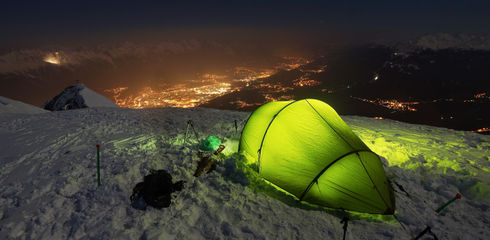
[[306, 149]]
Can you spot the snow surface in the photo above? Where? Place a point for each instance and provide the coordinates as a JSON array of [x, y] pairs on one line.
[[48, 181], [8, 105], [94, 99]]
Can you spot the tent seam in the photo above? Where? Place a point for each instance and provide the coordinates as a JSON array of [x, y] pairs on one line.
[[357, 152], [325, 169], [259, 151], [374, 185], [352, 195], [340, 135]]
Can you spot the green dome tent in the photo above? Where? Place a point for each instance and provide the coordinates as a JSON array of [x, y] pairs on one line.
[[306, 149]]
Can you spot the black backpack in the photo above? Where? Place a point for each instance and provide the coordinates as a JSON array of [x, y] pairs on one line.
[[155, 190]]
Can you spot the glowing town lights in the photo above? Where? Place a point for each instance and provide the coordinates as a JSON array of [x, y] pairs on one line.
[[320, 70], [482, 130], [276, 88], [208, 86], [213, 76], [243, 74], [391, 104], [173, 97], [376, 77], [480, 95], [304, 81], [270, 98], [53, 58], [292, 63]]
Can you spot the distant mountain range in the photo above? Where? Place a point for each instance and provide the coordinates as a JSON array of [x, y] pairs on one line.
[[445, 87]]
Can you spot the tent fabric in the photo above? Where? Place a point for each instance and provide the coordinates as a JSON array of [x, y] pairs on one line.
[[306, 149]]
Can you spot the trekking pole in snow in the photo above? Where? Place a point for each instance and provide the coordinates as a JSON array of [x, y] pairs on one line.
[[98, 165], [236, 126], [194, 130], [458, 196], [427, 230], [189, 124], [186, 130], [345, 221]]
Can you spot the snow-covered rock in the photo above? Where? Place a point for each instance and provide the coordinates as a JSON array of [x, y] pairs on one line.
[[76, 97], [48, 180], [12, 106]]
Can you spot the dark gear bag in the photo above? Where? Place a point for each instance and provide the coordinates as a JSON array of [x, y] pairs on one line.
[[155, 190]]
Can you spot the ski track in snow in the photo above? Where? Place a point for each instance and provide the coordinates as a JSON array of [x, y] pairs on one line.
[[48, 180]]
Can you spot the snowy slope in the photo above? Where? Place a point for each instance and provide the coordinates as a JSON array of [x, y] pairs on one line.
[[11, 106], [48, 184], [93, 99]]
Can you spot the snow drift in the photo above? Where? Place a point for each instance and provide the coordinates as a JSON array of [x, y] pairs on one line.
[[8, 105], [48, 181]]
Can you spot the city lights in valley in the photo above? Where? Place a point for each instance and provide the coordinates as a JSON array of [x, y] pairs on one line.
[[482, 130], [391, 104], [178, 96], [208, 86], [305, 81]]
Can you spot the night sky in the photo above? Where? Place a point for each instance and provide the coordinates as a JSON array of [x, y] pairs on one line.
[[45, 22]]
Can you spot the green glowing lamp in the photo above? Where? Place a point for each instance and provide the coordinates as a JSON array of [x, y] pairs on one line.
[[210, 144], [306, 149]]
